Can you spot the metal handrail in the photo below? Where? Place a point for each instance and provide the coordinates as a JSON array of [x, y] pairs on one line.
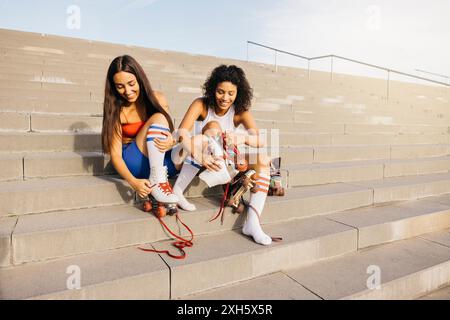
[[332, 56], [433, 74]]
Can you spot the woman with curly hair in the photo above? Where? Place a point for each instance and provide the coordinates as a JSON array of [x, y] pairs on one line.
[[137, 130], [224, 106]]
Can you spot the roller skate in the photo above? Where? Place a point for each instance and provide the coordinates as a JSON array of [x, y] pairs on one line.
[[161, 200], [159, 209], [232, 163], [243, 183]]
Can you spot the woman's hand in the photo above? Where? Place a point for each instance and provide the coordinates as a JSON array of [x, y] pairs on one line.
[[211, 162], [166, 144], [142, 187]]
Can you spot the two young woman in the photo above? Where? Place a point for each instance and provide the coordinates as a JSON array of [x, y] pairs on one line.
[[137, 133]]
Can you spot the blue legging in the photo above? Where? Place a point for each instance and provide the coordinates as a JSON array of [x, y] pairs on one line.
[[138, 163]]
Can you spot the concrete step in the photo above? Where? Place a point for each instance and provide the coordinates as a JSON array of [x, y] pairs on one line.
[[31, 165], [406, 269], [440, 294], [69, 123], [316, 139], [25, 166], [220, 258], [12, 167], [49, 122], [49, 105], [296, 164], [338, 117], [45, 164], [395, 129], [32, 86], [29, 197], [323, 154], [90, 230], [243, 260], [103, 228], [407, 188], [350, 129], [14, 121], [42, 142], [83, 136], [68, 192], [341, 134], [390, 222], [120, 274], [323, 173]]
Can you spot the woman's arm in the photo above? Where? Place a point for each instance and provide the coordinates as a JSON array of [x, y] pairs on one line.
[[251, 137], [117, 160], [195, 110], [141, 186]]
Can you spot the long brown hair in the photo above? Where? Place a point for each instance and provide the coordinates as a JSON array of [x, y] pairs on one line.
[[114, 101]]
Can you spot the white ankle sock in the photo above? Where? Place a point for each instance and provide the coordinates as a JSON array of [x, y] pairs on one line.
[[252, 226], [156, 157], [188, 171]]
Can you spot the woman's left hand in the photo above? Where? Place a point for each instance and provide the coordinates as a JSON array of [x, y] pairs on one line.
[[166, 144]]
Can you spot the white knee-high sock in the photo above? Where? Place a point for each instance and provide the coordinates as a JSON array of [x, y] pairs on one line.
[[252, 226], [188, 171], [156, 157]]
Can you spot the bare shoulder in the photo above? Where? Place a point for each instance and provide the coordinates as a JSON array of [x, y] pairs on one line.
[[240, 117], [199, 102], [245, 118], [198, 106], [161, 99]]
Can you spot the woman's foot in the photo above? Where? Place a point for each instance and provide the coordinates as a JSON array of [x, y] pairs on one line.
[[253, 228], [162, 191], [182, 202]]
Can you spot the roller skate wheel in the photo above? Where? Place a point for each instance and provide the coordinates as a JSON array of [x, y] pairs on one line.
[[160, 212], [147, 206]]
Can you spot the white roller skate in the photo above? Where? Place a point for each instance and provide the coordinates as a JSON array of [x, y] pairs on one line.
[[227, 170], [162, 191]]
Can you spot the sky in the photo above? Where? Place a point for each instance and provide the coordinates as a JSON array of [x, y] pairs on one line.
[[398, 34]]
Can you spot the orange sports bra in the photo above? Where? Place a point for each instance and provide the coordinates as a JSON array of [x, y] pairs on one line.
[[130, 130]]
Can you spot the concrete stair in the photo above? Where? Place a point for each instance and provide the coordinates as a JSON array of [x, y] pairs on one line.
[[367, 180], [408, 269]]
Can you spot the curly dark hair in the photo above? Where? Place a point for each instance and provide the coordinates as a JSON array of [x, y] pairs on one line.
[[236, 76]]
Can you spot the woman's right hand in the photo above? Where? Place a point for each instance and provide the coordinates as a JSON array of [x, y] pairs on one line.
[[142, 187], [211, 163]]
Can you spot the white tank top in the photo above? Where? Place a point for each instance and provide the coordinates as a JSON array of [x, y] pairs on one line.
[[226, 121]]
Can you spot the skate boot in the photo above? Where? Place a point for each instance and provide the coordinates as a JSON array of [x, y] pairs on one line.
[[162, 191], [227, 171]]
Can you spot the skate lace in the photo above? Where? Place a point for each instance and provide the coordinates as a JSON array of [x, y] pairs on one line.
[[166, 188]]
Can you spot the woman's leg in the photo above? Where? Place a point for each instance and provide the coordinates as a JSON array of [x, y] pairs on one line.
[[153, 129], [252, 226], [190, 167]]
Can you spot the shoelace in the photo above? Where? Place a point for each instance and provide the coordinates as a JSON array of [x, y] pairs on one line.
[[166, 188]]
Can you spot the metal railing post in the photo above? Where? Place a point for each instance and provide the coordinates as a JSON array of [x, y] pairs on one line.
[[388, 85], [247, 51], [276, 66], [309, 69], [331, 68]]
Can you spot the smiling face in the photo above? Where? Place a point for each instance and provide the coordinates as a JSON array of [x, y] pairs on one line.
[[226, 93], [127, 86]]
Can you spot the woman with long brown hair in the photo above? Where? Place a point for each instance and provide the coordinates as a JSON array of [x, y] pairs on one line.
[[137, 130]]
